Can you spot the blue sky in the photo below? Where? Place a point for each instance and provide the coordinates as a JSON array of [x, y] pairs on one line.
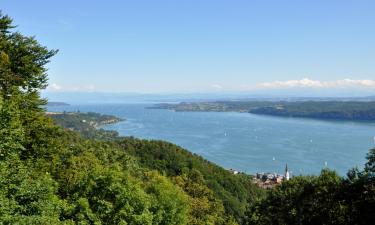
[[203, 45]]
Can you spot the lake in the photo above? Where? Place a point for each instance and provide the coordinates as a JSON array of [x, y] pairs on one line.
[[247, 142]]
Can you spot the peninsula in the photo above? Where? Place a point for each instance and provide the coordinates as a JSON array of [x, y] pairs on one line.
[[335, 110]]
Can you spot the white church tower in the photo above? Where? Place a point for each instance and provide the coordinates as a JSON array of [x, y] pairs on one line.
[[286, 176]]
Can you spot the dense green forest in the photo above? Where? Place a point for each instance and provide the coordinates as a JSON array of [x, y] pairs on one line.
[[339, 110], [58, 174]]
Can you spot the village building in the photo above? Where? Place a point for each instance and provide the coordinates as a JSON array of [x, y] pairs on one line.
[[269, 180], [233, 171]]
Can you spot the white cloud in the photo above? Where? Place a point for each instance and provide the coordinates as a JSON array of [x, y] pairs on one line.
[[91, 87], [309, 83], [81, 88], [364, 83], [217, 86], [54, 87]]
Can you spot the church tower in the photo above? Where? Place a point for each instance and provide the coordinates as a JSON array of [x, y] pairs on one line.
[[286, 176]]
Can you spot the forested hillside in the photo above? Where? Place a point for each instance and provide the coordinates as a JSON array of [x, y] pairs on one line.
[[87, 124], [338, 110]]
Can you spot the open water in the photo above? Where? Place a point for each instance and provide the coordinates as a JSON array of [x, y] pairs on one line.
[[246, 142]]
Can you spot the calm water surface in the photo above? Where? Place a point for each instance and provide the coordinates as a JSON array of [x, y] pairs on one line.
[[247, 142]]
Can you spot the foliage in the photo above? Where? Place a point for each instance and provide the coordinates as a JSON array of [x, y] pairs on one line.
[[27, 196], [234, 192], [205, 208], [324, 199]]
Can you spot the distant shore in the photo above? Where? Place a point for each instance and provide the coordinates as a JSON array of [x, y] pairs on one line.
[[333, 110], [57, 104]]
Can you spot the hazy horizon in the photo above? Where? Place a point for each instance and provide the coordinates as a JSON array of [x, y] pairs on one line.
[[128, 97]]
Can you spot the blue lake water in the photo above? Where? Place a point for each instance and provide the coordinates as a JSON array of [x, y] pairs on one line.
[[246, 142]]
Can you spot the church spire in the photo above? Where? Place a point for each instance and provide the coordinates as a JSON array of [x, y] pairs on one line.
[[286, 177]]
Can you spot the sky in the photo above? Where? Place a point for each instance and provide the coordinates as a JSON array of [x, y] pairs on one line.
[[148, 46]]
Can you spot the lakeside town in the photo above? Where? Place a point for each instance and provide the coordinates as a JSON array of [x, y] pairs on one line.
[[267, 180]]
